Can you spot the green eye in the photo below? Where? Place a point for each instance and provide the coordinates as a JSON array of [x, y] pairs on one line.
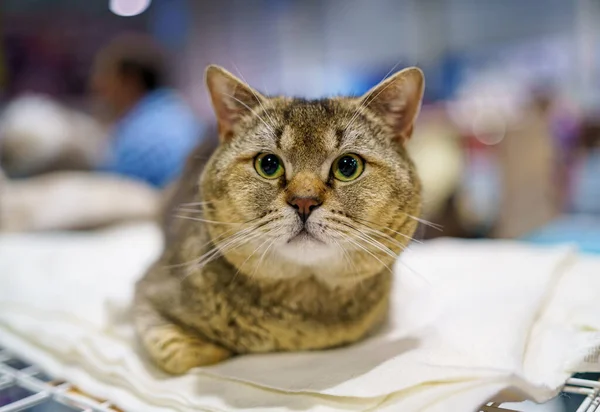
[[348, 167], [268, 166]]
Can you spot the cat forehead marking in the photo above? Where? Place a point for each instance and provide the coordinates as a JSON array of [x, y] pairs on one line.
[[314, 126]]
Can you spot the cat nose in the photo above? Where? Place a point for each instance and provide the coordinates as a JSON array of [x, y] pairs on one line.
[[304, 206]]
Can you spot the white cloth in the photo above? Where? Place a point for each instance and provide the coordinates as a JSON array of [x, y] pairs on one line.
[[470, 320]]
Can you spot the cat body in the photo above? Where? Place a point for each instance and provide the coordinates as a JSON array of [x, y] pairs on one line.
[[284, 238]]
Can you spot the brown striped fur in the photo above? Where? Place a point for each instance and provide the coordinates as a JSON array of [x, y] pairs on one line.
[[266, 281]]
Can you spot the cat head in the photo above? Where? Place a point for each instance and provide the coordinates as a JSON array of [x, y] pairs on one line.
[[303, 185]]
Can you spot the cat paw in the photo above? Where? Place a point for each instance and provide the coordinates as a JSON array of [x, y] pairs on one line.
[[176, 351]]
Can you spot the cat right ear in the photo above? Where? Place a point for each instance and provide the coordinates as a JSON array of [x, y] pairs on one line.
[[397, 101], [231, 98]]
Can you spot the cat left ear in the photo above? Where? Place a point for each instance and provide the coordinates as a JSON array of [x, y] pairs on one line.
[[231, 98], [397, 100]]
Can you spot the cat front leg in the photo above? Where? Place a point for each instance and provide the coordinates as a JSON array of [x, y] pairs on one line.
[[171, 347]]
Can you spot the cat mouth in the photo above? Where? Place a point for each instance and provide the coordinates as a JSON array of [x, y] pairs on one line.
[[303, 236]]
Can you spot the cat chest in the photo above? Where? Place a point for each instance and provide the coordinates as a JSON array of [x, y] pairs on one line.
[[245, 326]]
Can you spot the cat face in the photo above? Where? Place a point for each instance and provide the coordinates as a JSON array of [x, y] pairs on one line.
[[313, 182]]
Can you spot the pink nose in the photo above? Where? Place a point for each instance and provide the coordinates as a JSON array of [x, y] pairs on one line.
[[304, 206]]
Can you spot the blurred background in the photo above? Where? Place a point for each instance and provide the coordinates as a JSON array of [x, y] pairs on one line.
[[508, 142]]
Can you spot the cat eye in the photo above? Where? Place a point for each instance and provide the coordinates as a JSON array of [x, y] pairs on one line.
[[348, 167], [268, 166]]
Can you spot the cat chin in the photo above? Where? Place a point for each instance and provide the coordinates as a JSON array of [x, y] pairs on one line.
[[308, 251]]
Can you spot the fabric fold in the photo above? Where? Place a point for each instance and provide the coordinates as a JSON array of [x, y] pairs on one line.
[[470, 320]]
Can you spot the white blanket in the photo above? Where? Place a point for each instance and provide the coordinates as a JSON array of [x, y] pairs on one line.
[[471, 322]]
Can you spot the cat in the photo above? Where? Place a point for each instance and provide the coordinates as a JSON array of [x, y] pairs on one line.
[[284, 238]]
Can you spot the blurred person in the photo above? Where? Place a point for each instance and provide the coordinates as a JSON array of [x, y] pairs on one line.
[[75, 200], [153, 129], [531, 197], [152, 134]]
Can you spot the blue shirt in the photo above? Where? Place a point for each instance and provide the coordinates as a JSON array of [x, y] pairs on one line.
[[151, 143]]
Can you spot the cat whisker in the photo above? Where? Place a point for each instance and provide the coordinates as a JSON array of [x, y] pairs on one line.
[[436, 226], [239, 234], [250, 256], [272, 122], [386, 238], [186, 210], [264, 87], [366, 100], [345, 253], [350, 262], [219, 249], [400, 260], [234, 241], [250, 231], [257, 225], [375, 243], [349, 239], [383, 235], [371, 240], [271, 129], [261, 223], [195, 204], [359, 220], [220, 242], [213, 222], [263, 256]]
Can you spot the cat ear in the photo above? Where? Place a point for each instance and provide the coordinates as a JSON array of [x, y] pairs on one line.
[[397, 100], [231, 98]]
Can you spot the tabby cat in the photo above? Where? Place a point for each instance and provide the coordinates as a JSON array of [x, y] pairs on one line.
[[289, 230]]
